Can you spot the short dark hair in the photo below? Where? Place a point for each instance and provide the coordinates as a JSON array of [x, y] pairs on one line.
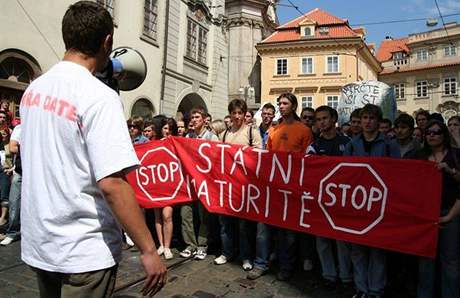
[[308, 109], [405, 119], [269, 106], [453, 118], [136, 121], [250, 112], [356, 113], [237, 103], [158, 122], [423, 113], [387, 121], [199, 110], [228, 116], [85, 26], [332, 112], [172, 126], [372, 110]]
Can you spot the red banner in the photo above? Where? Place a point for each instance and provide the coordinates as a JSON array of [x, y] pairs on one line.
[[379, 202]]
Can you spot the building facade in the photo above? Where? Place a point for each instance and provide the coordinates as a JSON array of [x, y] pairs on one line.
[[314, 56], [248, 23], [31, 43], [424, 69]]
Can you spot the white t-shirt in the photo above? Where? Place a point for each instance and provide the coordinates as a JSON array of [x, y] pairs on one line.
[[73, 134], [16, 134]]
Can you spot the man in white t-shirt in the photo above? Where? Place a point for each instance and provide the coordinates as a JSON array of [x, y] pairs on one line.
[[75, 151]]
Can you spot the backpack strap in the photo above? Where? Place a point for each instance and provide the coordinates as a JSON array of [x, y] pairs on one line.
[[250, 136], [225, 135]]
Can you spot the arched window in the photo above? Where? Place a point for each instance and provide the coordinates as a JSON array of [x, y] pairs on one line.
[[142, 107], [16, 70]]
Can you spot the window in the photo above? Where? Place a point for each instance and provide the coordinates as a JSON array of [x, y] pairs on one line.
[[150, 18], [450, 50], [333, 101], [398, 55], [421, 55], [399, 91], [332, 64], [307, 102], [450, 86], [197, 42], [109, 5], [281, 66], [422, 89], [307, 65], [307, 31]]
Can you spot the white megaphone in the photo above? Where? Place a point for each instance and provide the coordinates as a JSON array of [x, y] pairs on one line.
[[125, 71]]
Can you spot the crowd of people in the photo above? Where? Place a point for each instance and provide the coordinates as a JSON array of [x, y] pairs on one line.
[[258, 245]]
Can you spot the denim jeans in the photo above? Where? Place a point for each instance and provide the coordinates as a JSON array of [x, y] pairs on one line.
[[324, 247], [369, 266], [287, 240], [5, 183], [449, 261], [13, 230], [227, 235], [263, 245]]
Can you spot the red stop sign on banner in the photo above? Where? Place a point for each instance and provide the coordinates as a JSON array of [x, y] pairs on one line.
[[365, 200], [160, 175]]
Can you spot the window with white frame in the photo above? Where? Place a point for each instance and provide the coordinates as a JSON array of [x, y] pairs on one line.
[[332, 64], [307, 102], [421, 89], [281, 66], [109, 5], [333, 101], [307, 65], [450, 86], [150, 18], [450, 50], [197, 42], [421, 54], [400, 91]]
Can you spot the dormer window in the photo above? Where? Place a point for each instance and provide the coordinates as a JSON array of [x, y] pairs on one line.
[[308, 31]]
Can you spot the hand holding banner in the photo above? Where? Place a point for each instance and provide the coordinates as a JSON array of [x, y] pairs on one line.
[[377, 202]]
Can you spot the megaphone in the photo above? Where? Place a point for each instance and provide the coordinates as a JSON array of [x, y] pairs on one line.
[[125, 71]]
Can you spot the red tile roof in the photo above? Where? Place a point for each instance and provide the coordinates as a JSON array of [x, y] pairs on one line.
[[338, 28], [391, 70], [387, 47]]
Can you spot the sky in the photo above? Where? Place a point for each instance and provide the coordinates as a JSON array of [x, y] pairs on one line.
[[368, 11]]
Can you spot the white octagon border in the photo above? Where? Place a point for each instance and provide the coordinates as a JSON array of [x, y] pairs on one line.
[[180, 169], [382, 211]]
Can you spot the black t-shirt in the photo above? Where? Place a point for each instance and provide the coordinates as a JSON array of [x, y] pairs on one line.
[[450, 186], [332, 147]]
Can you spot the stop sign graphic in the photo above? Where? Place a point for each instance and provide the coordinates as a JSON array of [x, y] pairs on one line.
[[160, 174], [353, 207]]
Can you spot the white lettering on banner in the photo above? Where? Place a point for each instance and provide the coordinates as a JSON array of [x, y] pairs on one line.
[[259, 158], [203, 191], [230, 201], [372, 196], [161, 171], [305, 196], [267, 202], [206, 158], [238, 158], [221, 191], [222, 147], [285, 174], [285, 196], [252, 197]]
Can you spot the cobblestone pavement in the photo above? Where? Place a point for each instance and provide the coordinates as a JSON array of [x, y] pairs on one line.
[[191, 278]]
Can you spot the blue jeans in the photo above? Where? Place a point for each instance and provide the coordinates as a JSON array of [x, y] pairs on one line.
[[14, 230], [227, 235], [287, 249], [449, 262], [263, 245], [369, 266], [5, 183], [324, 247]]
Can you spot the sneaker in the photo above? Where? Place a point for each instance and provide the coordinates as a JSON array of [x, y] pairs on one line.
[[247, 265], [220, 260], [284, 275], [255, 273], [129, 241], [160, 250], [188, 252], [7, 241], [201, 253], [168, 253], [2, 236], [360, 294], [307, 265]]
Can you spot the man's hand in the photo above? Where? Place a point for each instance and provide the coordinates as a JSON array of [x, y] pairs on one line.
[[156, 274]]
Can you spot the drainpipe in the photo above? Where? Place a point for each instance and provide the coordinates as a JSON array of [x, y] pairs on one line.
[[165, 56], [357, 62]]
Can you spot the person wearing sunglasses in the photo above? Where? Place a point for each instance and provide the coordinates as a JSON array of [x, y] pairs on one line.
[[437, 148], [136, 128]]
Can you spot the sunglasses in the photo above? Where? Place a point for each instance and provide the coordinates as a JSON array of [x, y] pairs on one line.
[[433, 132], [133, 126]]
